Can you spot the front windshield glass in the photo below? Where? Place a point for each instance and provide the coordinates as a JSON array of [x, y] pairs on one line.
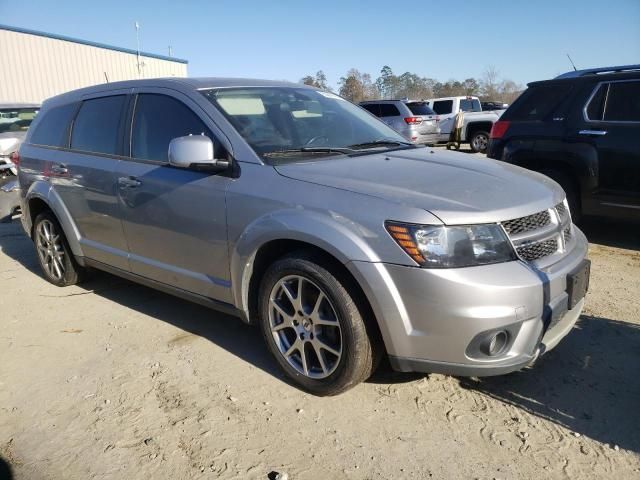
[[280, 121], [16, 119]]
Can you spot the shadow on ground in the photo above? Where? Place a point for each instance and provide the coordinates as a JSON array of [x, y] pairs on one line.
[[590, 383], [5, 470]]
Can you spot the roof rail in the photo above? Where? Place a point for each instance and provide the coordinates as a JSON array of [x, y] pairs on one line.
[[595, 71]]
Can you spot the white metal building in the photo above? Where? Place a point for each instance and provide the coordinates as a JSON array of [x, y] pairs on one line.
[[36, 65]]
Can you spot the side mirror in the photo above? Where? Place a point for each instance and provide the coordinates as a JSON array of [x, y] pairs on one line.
[[195, 152]]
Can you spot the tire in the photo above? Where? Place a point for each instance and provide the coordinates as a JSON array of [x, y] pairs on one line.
[[479, 141], [54, 255], [569, 186], [334, 321]]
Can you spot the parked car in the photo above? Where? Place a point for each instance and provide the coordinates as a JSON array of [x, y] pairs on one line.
[[477, 124], [298, 211], [581, 129], [414, 120], [14, 122], [488, 106]]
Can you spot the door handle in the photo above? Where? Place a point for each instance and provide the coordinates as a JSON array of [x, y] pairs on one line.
[[598, 133], [129, 182], [59, 169]]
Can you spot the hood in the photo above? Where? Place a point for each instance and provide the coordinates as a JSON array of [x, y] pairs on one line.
[[10, 141], [458, 188]]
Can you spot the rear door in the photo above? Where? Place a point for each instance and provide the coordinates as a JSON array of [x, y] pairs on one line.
[[83, 176], [444, 109], [174, 219], [611, 123], [391, 115]]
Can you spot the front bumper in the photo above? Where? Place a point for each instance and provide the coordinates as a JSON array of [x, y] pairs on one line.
[[431, 320]]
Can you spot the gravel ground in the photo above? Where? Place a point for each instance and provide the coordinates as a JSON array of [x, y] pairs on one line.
[[113, 380]]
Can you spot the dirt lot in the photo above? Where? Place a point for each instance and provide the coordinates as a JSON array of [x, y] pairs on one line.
[[112, 380]]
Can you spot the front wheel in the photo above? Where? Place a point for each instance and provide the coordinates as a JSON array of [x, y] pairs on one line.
[[313, 326], [479, 142], [54, 255]]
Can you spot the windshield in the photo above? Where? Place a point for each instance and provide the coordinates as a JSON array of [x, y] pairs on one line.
[[284, 120], [420, 108], [16, 119]]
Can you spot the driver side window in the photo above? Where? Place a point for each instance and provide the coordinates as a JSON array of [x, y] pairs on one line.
[[157, 120]]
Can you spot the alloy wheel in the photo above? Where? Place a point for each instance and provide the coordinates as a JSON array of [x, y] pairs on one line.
[[305, 327], [50, 249]]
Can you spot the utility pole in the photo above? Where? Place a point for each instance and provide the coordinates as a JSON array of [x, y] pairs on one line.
[[170, 51], [138, 48]]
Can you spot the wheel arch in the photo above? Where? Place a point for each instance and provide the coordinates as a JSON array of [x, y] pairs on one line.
[[473, 127], [42, 197]]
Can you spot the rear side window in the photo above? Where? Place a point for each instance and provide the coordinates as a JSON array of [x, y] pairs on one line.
[[372, 108], [470, 105], [158, 119], [52, 129], [97, 126], [420, 108], [443, 107], [538, 102], [389, 110], [623, 102]]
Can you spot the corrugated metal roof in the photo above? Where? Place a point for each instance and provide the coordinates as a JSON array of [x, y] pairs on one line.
[[87, 42]]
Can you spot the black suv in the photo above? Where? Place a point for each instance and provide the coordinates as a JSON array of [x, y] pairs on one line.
[[582, 129]]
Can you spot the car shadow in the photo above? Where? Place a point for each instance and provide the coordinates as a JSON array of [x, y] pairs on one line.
[[5, 470], [588, 384]]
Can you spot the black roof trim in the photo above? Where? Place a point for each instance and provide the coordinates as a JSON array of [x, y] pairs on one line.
[[601, 70]]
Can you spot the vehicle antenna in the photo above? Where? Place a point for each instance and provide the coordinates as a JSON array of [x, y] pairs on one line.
[[572, 64]]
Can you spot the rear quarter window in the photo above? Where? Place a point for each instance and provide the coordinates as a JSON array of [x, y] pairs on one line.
[[52, 129], [389, 110], [538, 102]]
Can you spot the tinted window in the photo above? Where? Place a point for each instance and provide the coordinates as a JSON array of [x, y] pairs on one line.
[[158, 119], [420, 108], [623, 102], [596, 105], [442, 107], [373, 108], [470, 105], [538, 102], [53, 128], [389, 110], [97, 125]]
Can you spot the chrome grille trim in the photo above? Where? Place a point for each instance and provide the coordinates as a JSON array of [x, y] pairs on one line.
[[525, 224], [541, 235], [537, 250]]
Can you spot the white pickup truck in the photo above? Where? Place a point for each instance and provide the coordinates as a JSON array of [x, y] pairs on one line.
[[477, 124]]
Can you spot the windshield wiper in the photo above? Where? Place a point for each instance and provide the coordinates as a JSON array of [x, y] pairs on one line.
[[381, 143], [341, 150]]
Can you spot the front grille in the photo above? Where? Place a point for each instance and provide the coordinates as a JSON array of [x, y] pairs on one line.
[[567, 234], [562, 210], [536, 251], [528, 223]]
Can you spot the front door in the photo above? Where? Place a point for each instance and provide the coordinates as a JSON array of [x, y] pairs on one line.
[[174, 219]]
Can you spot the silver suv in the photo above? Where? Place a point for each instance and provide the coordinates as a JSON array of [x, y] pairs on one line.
[[300, 212], [414, 120]]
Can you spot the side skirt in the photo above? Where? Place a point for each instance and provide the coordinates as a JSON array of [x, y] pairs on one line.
[[163, 287]]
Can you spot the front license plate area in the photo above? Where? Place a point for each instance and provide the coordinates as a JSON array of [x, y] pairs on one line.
[[578, 283]]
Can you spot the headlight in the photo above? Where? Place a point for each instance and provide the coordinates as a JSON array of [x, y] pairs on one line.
[[439, 246]]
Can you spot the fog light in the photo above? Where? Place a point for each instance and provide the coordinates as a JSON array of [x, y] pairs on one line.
[[495, 344]]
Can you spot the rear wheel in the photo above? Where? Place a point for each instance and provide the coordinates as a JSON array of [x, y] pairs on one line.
[[313, 327], [479, 142], [569, 186], [54, 255]]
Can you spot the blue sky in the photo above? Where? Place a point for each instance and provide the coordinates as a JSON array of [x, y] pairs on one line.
[[524, 40]]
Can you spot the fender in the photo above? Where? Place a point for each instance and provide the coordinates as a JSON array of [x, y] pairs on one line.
[[42, 190], [337, 236]]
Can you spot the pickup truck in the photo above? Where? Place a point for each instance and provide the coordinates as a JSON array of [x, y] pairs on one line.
[[477, 123]]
